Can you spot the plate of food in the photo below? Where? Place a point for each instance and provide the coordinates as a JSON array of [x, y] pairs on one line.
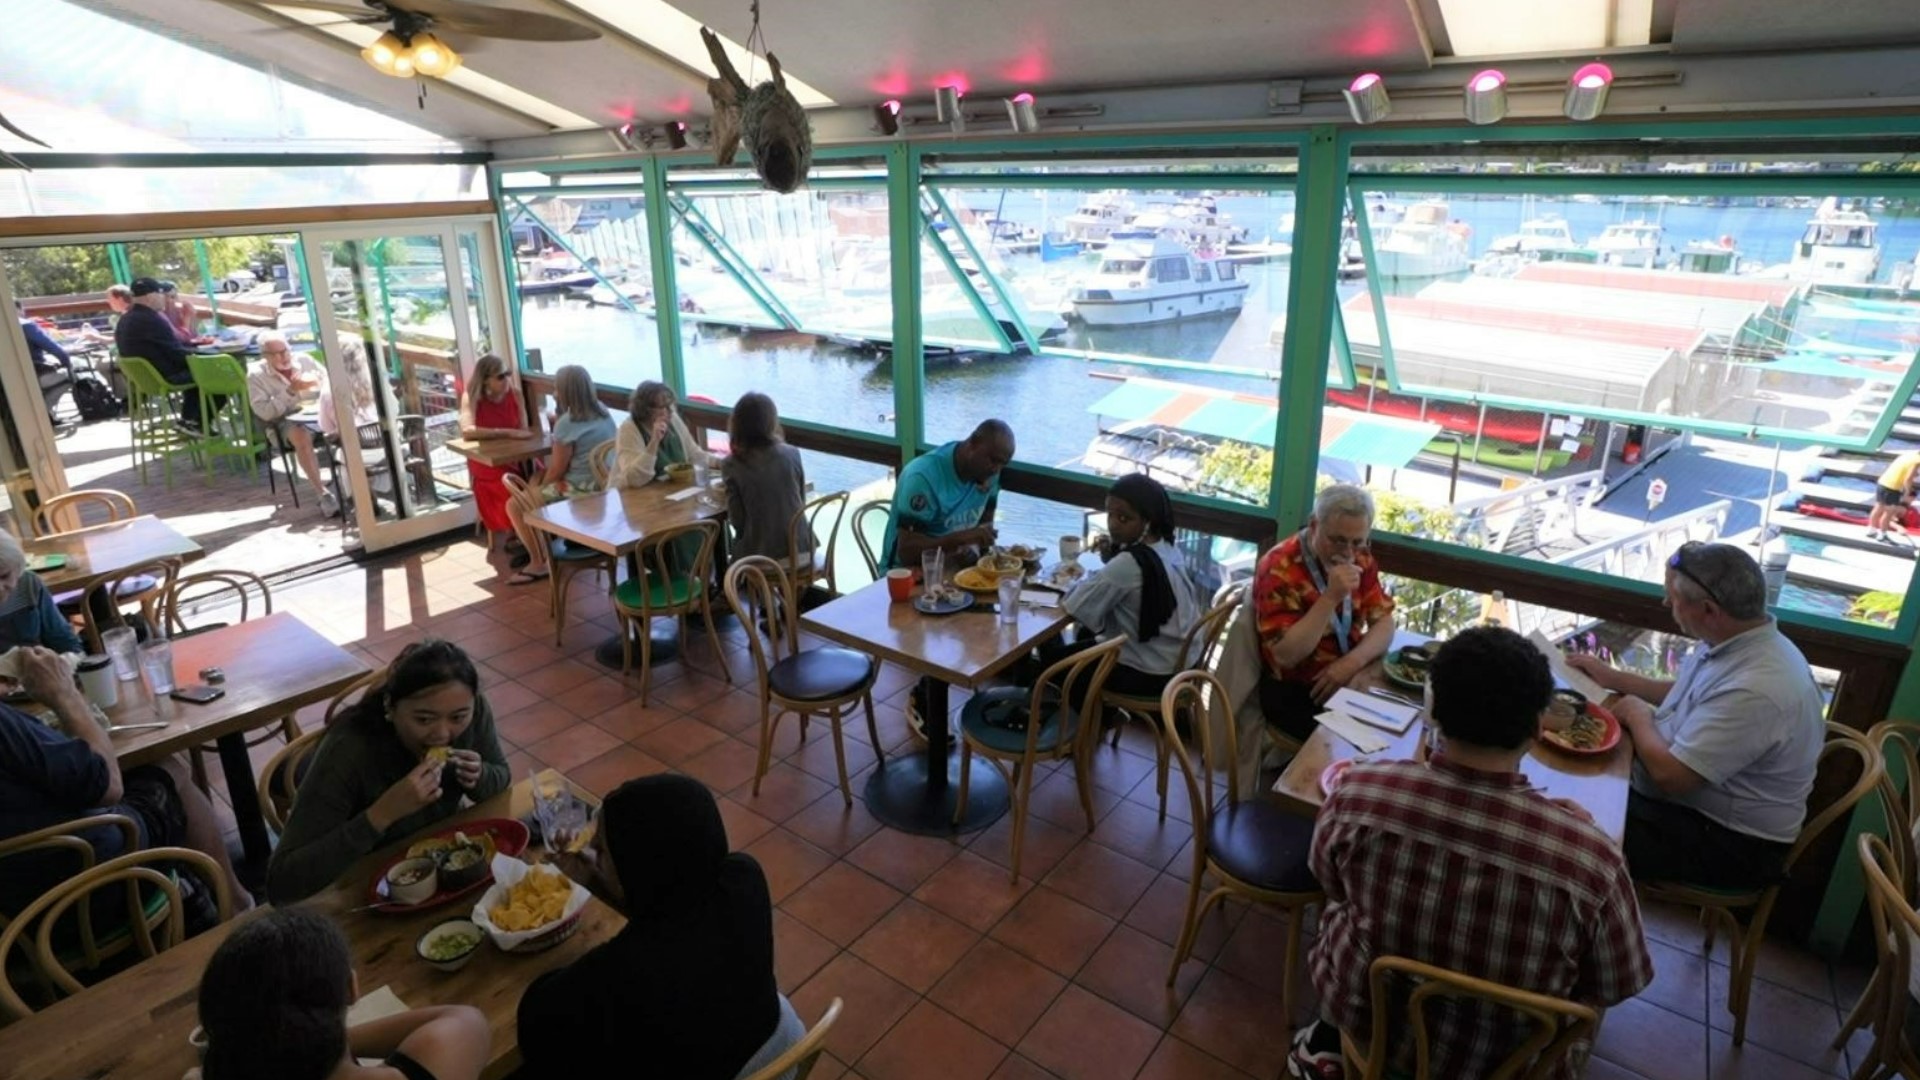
[[942, 600], [975, 580], [1331, 776], [40, 564], [1028, 554], [1407, 667], [445, 866], [1578, 726], [1066, 575], [1001, 565], [529, 908]]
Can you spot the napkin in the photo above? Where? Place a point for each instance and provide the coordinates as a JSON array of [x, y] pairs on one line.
[[687, 494], [1365, 738], [1040, 598], [1377, 711], [375, 1005]]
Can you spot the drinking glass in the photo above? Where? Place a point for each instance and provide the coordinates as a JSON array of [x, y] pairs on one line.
[[557, 811], [119, 644], [156, 659], [933, 569], [1009, 601]]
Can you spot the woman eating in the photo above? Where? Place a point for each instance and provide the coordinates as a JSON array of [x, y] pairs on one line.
[[689, 980], [390, 765], [653, 438], [766, 484], [582, 424], [490, 409], [273, 1002]]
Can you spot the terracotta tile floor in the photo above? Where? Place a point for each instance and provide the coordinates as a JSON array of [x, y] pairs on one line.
[[949, 969]]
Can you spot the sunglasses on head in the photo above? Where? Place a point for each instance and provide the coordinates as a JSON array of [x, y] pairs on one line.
[[1677, 563]]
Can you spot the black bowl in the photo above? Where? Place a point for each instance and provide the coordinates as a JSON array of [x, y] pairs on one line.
[[472, 860], [1417, 658]]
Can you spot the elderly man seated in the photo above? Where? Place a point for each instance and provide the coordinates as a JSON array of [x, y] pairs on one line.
[[1322, 613], [47, 778], [1724, 754], [277, 389], [28, 615]]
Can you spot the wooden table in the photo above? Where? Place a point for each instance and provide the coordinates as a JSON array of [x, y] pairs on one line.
[[274, 665], [500, 453], [966, 649], [1597, 782], [99, 552], [135, 1024], [617, 522]]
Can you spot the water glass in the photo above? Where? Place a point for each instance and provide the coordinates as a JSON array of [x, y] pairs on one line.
[[701, 474], [156, 659], [119, 644], [933, 568], [557, 811], [1009, 601]]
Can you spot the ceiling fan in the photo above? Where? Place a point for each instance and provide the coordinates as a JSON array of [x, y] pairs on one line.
[[411, 46]]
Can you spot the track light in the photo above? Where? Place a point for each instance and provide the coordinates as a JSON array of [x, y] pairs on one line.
[[886, 116], [946, 107], [1486, 97], [1367, 98], [1587, 92], [1021, 114], [677, 134]]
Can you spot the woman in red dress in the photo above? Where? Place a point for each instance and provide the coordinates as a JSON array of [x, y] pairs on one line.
[[490, 409]]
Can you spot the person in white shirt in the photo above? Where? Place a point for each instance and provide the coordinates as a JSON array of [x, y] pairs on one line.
[[653, 437], [277, 389]]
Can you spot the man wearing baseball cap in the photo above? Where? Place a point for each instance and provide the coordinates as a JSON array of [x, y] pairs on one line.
[[144, 332]]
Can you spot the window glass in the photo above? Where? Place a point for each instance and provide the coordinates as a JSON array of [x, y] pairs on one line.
[[586, 284]]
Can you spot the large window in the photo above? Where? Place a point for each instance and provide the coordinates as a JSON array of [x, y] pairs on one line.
[[585, 275], [1602, 370]]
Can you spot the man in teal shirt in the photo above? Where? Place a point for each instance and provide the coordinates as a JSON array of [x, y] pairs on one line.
[[945, 498]]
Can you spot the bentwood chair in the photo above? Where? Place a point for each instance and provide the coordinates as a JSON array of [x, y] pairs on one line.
[[64, 848], [814, 563], [1016, 729], [666, 589], [88, 507], [133, 871], [564, 561], [1846, 753], [1195, 652], [1895, 924], [1557, 1025], [802, 1056], [219, 589], [826, 679], [280, 779], [884, 511], [1897, 743], [148, 583], [1254, 848]]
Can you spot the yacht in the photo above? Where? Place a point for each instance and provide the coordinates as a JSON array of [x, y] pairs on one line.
[[1838, 247], [1424, 244], [1628, 243], [1096, 219], [1197, 223], [1144, 278], [1536, 236]]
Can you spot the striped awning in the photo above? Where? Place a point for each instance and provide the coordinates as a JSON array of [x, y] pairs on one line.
[[1355, 437]]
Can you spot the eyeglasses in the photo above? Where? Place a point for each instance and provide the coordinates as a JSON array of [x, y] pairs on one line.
[[1678, 564]]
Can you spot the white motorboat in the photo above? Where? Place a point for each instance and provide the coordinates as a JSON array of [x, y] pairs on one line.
[[1425, 244], [1150, 279], [1537, 235], [1838, 247], [1096, 219], [1628, 243], [1196, 223]]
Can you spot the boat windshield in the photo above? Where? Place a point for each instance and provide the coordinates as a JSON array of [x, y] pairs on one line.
[[1122, 266]]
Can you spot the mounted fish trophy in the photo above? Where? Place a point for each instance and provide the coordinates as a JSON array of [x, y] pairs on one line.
[[767, 116]]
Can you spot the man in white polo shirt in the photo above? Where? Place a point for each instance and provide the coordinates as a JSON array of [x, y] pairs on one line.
[[1723, 755]]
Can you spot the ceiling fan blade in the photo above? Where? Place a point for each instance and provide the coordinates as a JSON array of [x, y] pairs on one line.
[[494, 22], [356, 11], [371, 20]]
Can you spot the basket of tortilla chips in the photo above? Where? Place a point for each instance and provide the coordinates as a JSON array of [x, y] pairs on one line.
[[529, 908]]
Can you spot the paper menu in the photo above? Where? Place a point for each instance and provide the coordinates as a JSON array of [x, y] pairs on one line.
[[375, 1005], [1376, 711], [1564, 671], [1367, 740]]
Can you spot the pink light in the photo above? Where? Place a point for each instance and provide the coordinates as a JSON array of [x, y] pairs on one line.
[[1364, 82], [1023, 98], [891, 106], [1487, 81], [958, 80], [1593, 77]]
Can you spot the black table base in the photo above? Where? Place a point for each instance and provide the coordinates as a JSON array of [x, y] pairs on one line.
[[918, 793], [666, 645]]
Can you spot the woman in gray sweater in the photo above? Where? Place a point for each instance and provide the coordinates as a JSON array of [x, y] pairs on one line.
[[766, 484], [390, 765]]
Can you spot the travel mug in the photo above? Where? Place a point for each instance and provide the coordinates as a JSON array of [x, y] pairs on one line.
[[97, 682]]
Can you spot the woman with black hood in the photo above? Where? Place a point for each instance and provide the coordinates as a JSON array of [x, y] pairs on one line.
[[686, 990]]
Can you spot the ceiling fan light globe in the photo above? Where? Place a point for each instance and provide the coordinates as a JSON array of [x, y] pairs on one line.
[[403, 66], [432, 57], [384, 53]]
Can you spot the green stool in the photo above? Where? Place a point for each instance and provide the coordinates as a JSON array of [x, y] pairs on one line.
[[229, 427], [156, 433]]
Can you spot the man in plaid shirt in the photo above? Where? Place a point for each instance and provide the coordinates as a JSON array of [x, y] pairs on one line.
[[1459, 863]]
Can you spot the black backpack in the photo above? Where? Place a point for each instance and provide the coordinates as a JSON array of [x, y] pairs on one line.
[[94, 400]]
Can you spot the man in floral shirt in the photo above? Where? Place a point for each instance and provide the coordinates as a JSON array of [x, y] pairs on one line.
[[1322, 613]]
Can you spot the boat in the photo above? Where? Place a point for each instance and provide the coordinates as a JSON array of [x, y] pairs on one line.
[[1423, 244], [1628, 243], [1838, 247], [1720, 256], [1536, 236], [1144, 278], [1197, 223], [1096, 219]]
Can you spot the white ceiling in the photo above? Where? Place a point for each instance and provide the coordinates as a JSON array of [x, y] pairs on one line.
[[862, 51]]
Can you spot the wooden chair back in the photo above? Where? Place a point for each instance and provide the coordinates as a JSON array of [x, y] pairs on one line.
[[280, 780], [1088, 668], [1557, 1024], [657, 557], [352, 693], [1895, 924], [801, 1056], [82, 509], [66, 836], [104, 597], [762, 595], [190, 592], [601, 459], [1899, 746], [1203, 641], [131, 871], [1844, 747], [860, 515], [1198, 699], [807, 520]]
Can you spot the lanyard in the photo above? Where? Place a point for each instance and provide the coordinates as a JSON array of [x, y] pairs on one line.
[[1342, 619]]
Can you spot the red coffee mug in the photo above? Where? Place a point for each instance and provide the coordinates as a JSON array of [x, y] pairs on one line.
[[900, 584]]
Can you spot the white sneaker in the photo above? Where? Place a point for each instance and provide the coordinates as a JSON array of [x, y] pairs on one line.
[[1876, 534], [329, 506]]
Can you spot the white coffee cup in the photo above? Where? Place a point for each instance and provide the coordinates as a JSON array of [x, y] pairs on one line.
[[1070, 548]]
